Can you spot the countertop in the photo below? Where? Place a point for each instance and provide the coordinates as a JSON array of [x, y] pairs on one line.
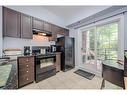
[[4, 74], [8, 70], [58, 52], [113, 63], [22, 55]]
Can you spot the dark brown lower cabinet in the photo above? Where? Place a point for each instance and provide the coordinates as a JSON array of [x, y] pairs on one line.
[[25, 70], [58, 61], [113, 75]]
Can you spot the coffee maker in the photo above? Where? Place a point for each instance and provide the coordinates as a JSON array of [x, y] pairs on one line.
[[27, 50], [53, 48]]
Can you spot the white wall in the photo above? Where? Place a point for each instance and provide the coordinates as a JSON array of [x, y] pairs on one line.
[[1, 39], [20, 43]]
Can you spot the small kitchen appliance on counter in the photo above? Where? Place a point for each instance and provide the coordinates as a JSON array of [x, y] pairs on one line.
[[27, 50], [53, 48]]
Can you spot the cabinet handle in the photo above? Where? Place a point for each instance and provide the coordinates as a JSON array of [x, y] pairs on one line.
[[27, 65], [27, 79], [27, 71], [27, 60]]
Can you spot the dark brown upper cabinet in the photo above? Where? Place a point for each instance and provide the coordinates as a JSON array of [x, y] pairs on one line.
[[54, 33], [66, 31], [18, 25], [47, 26], [61, 31], [11, 23], [38, 24], [26, 26]]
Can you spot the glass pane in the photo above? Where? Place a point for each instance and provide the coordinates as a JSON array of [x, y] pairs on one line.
[[92, 38], [84, 39], [113, 55], [113, 45], [107, 40]]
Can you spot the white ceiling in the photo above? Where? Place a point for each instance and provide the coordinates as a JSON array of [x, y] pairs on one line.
[[71, 14], [65, 11]]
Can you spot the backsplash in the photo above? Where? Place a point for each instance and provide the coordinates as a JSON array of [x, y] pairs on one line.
[[20, 43]]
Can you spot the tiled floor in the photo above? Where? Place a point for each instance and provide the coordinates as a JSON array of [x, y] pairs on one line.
[[66, 80]]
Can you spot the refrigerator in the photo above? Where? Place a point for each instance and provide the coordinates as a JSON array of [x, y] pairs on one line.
[[65, 45]]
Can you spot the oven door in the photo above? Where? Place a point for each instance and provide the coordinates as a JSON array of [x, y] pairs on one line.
[[44, 64]]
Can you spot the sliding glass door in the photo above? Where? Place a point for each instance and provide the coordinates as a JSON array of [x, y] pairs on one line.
[[99, 43], [88, 49]]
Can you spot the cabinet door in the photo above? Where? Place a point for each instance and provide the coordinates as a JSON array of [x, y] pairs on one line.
[[11, 23], [38, 24], [26, 26], [62, 31], [58, 62], [54, 37], [66, 32], [58, 30], [47, 26], [54, 33]]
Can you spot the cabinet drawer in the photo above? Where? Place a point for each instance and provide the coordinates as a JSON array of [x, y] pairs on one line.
[[23, 80], [26, 71], [26, 60], [25, 66]]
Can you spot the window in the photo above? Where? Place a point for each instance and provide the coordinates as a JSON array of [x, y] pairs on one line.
[[107, 39]]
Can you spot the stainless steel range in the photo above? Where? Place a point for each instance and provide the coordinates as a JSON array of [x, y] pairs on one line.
[[44, 64]]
